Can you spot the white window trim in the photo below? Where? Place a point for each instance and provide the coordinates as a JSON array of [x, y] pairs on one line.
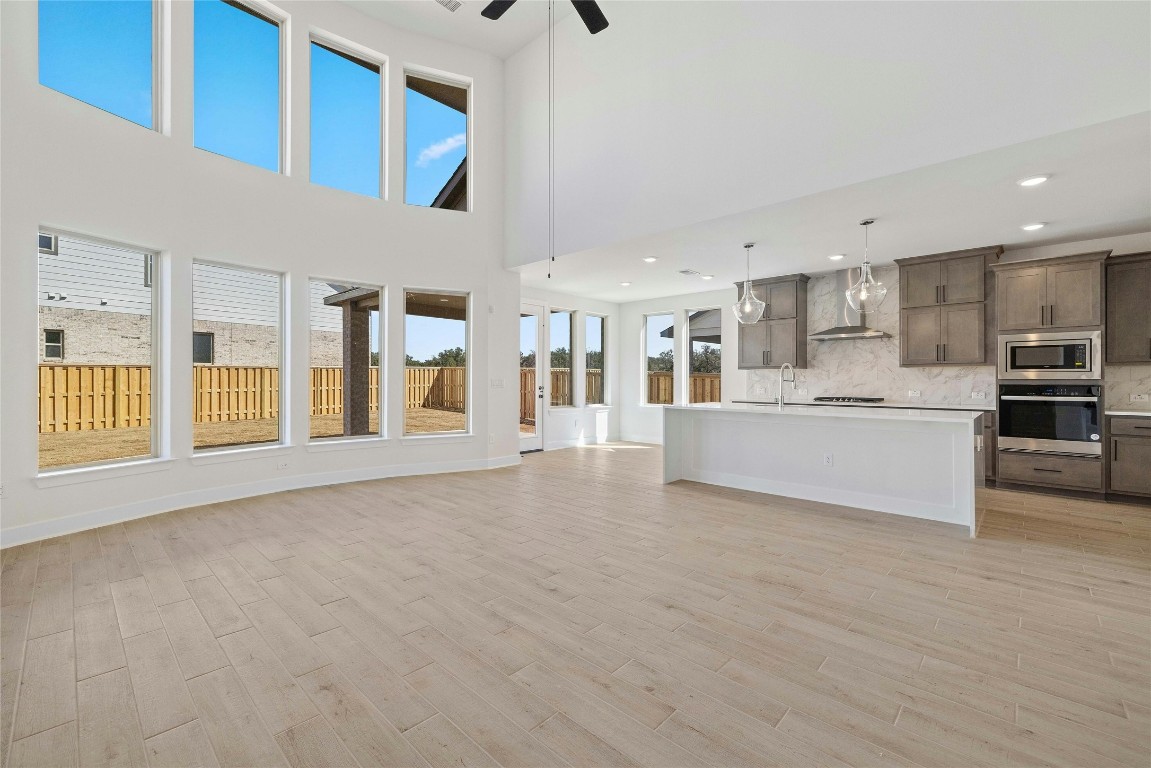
[[675, 361], [447, 78], [604, 351], [469, 331]]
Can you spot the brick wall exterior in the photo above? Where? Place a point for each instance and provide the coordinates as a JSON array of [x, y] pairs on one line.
[[99, 337]]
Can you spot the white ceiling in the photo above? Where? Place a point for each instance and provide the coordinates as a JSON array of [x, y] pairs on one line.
[[525, 21], [1100, 186], [682, 116]]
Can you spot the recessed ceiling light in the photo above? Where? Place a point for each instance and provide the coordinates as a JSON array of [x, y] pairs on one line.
[[1035, 226], [444, 300], [707, 277], [650, 259], [836, 256], [625, 285], [1032, 181]]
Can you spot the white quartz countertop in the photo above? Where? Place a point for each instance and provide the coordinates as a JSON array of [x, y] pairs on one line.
[[988, 406], [1129, 413], [834, 411]]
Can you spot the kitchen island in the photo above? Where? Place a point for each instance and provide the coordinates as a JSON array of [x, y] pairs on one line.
[[906, 461]]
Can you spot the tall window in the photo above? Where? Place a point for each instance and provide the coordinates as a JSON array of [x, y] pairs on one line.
[[95, 392], [236, 399], [237, 83], [435, 362], [346, 137], [659, 383], [594, 346], [561, 357], [437, 142], [99, 53], [344, 337], [704, 330]]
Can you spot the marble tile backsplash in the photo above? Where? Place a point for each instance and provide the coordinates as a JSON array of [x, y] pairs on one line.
[[870, 367]]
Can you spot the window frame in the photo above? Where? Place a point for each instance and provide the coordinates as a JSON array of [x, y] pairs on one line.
[[361, 55], [159, 427], [571, 313], [603, 319], [50, 250], [59, 344], [211, 347], [381, 325], [688, 349], [469, 391], [262, 9], [675, 361], [456, 81], [283, 419]]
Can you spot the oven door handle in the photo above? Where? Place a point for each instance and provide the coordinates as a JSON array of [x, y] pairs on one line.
[[1042, 399]]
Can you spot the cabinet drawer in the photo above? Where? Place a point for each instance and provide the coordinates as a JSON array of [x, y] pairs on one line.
[[1131, 425], [1035, 469]]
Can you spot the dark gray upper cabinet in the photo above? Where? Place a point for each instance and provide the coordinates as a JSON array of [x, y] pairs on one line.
[[781, 336], [943, 315], [1065, 292], [1129, 308]]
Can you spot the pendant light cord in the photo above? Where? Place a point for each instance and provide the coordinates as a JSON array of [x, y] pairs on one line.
[[551, 138]]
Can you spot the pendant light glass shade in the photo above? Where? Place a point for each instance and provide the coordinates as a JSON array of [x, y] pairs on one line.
[[749, 309], [867, 293]]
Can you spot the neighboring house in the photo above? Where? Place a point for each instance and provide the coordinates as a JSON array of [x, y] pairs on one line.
[[95, 309]]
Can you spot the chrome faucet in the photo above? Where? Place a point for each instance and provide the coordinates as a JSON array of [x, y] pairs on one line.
[[781, 380]]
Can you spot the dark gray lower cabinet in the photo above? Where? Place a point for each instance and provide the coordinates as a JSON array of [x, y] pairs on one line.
[[1130, 464], [1047, 470]]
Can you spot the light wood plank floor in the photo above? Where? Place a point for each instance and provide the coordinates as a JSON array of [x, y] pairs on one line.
[[574, 611]]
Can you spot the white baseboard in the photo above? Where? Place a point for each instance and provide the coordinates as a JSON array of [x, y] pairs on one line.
[[61, 526], [647, 439]]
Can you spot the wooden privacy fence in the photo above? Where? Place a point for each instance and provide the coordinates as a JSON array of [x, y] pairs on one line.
[[79, 397], [660, 387], [702, 387], [327, 391], [229, 393], [443, 388]]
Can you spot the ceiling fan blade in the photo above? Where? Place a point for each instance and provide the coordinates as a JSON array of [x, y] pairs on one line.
[[496, 8], [592, 16]]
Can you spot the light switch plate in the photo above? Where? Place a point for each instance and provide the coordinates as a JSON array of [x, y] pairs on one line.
[[978, 395], [914, 393]]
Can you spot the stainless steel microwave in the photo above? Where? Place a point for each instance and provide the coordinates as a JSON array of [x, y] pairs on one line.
[[1069, 355]]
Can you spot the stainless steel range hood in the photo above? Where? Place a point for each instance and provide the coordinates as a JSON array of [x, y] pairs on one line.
[[854, 323]]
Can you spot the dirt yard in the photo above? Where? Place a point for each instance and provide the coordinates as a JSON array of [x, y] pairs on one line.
[[58, 449]]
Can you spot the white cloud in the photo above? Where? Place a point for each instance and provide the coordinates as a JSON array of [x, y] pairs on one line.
[[440, 148]]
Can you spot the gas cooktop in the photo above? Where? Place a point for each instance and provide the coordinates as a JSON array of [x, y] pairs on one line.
[[847, 399]]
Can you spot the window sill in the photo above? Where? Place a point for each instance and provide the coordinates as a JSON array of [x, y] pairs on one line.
[[223, 455], [57, 477], [438, 438], [346, 444]]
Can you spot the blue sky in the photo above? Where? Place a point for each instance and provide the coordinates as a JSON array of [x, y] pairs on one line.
[[657, 324], [436, 142], [425, 337], [345, 114], [101, 53]]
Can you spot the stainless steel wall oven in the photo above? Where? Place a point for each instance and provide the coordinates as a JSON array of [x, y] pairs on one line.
[[1050, 418]]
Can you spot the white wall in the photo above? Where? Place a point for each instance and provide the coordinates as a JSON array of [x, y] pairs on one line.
[[73, 167], [580, 424], [643, 423]]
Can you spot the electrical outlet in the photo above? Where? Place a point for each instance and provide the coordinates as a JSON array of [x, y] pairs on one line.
[[281, 465], [1140, 398], [497, 383], [761, 390], [914, 393], [1, 490], [978, 395], [801, 392], [828, 460]]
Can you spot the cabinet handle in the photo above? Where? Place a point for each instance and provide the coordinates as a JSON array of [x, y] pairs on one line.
[[937, 353], [1051, 315], [763, 356], [769, 357], [937, 301], [767, 309], [1041, 469], [1139, 426], [1114, 450], [944, 291], [945, 352], [1042, 314]]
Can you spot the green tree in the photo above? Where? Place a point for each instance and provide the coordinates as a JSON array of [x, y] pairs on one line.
[[664, 361], [705, 359], [450, 358], [527, 360], [561, 358], [595, 359]]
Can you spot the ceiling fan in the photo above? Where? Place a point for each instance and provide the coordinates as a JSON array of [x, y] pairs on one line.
[[592, 16]]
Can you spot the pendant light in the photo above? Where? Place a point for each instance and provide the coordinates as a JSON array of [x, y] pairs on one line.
[[867, 293], [749, 309]]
